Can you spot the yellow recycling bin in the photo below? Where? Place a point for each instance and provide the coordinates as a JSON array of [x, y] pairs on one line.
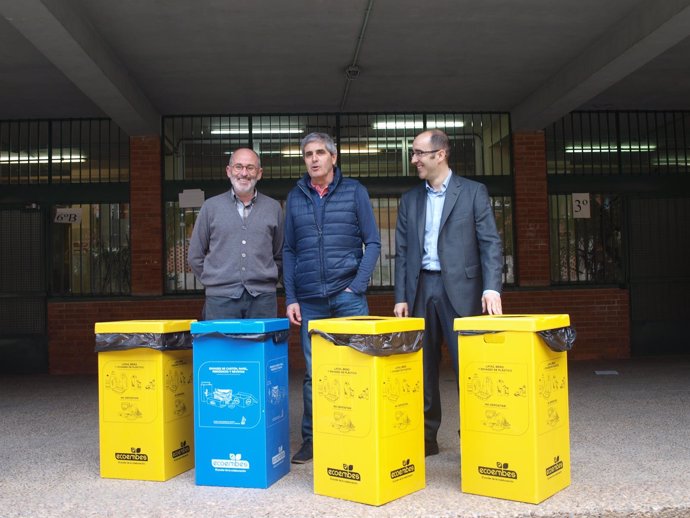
[[368, 408], [514, 421], [146, 414]]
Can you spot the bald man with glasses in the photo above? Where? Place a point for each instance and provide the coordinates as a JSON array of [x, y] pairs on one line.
[[448, 261], [236, 246]]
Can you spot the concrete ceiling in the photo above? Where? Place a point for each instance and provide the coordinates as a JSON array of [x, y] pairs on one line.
[[134, 60]]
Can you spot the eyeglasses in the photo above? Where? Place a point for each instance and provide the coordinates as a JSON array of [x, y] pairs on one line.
[[237, 168], [418, 153]]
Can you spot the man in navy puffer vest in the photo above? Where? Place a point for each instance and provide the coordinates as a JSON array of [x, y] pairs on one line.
[[331, 247]]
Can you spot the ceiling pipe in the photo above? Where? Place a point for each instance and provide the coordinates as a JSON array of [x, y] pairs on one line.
[[352, 71]]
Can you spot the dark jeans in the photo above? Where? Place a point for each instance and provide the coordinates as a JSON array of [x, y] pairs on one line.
[[433, 305], [264, 305], [343, 304]]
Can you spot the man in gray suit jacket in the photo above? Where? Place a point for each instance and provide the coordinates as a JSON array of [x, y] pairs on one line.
[[448, 261]]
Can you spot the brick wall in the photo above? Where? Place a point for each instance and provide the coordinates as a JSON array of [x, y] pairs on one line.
[[600, 316], [71, 335], [531, 209], [146, 218]]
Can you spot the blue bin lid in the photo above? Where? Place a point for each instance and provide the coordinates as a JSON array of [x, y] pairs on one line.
[[246, 326]]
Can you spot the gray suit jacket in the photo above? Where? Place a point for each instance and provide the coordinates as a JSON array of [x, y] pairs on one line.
[[469, 246]]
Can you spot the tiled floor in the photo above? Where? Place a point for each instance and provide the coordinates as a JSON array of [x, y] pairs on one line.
[[630, 453]]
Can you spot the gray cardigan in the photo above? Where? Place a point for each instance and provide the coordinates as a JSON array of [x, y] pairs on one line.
[[228, 256]]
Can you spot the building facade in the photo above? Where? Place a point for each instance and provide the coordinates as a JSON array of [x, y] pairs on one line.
[[94, 224]]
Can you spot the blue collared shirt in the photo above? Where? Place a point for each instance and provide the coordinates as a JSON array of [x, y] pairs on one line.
[[434, 210]]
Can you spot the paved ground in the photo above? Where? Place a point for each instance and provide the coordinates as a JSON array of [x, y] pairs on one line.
[[630, 453]]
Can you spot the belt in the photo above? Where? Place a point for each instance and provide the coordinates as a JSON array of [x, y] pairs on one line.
[[432, 272]]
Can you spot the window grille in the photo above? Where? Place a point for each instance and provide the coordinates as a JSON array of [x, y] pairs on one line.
[[619, 143], [179, 226], [198, 147], [607, 157], [372, 147], [62, 152], [80, 166], [586, 250], [503, 214], [92, 256]]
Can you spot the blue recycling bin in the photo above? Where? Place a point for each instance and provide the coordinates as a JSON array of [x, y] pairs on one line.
[[241, 425]]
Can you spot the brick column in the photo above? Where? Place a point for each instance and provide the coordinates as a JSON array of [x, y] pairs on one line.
[[146, 218], [531, 209]]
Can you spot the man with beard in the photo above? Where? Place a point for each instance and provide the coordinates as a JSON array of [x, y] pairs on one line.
[[236, 246]]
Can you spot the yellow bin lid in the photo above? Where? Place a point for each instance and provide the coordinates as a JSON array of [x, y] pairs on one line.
[[143, 326], [511, 322], [367, 325]]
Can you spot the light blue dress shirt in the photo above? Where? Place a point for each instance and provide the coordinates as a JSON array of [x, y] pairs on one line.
[[434, 209]]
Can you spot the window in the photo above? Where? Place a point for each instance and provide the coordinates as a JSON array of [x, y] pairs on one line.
[[373, 148], [586, 250], [605, 158], [92, 255], [79, 173], [179, 225], [63, 151], [619, 143]]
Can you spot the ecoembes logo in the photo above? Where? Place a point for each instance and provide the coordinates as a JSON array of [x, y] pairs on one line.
[[500, 471], [555, 467], [406, 469], [234, 461], [183, 450], [347, 473], [135, 455], [278, 457]]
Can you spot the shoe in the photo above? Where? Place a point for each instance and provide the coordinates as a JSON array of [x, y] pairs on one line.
[[430, 448], [305, 453]]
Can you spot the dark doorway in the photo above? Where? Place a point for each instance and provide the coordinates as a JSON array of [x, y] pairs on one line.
[[23, 340], [659, 275]]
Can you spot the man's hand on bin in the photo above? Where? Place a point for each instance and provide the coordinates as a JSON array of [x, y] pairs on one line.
[[294, 314], [400, 309], [491, 303]]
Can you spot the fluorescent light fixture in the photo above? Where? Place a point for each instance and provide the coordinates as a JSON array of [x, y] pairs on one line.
[[42, 158], [399, 125], [380, 146], [263, 152], [295, 152], [257, 131], [670, 161], [445, 124], [386, 125], [358, 151], [605, 148]]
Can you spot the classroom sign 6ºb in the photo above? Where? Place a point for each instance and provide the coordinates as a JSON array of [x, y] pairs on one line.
[[68, 216]]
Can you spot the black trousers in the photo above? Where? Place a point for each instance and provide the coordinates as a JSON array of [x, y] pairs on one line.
[[432, 304]]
